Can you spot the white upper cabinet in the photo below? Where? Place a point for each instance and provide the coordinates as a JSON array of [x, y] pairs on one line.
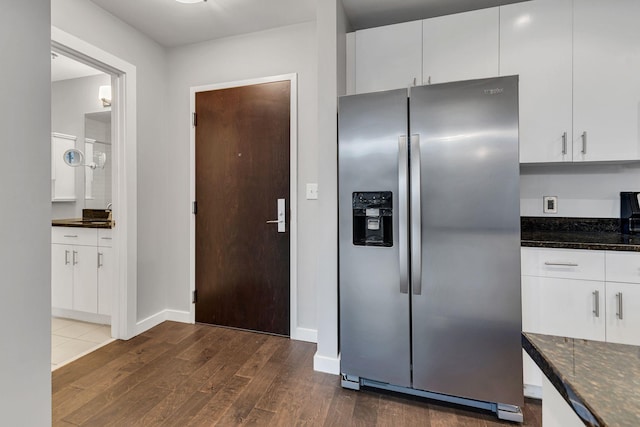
[[536, 44], [463, 46], [606, 80], [388, 57]]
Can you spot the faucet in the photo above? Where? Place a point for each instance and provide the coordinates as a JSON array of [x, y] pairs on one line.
[[109, 205]]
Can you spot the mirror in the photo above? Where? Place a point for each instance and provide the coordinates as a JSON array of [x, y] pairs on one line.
[[97, 150], [73, 157]]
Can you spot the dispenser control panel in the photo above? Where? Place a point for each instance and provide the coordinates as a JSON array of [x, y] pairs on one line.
[[372, 218]]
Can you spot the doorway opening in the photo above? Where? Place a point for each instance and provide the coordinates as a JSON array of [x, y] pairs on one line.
[[98, 256]]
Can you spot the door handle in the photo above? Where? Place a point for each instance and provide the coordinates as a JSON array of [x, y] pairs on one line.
[[75, 259], [596, 303], [282, 226], [403, 237], [619, 308], [66, 257], [584, 142], [100, 259], [416, 216], [564, 143]]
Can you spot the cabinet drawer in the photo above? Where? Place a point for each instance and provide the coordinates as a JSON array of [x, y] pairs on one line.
[[74, 236], [105, 237], [622, 267], [563, 263]]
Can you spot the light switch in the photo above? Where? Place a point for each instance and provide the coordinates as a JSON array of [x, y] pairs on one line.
[[312, 191]]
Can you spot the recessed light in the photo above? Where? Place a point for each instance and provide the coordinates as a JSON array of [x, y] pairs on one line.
[[190, 1]]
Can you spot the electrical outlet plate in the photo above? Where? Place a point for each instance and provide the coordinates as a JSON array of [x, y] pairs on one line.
[[550, 204], [312, 191]]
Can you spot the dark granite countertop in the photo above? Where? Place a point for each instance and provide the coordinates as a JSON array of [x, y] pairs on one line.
[[577, 233], [79, 222], [599, 380]]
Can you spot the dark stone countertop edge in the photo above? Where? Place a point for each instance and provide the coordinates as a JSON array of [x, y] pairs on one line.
[[580, 245], [591, 418], [81, 224]]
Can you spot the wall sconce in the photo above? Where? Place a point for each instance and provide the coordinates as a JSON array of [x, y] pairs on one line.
[[104, 94]]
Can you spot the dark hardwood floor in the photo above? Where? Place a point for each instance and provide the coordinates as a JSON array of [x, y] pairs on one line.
[[181, 375]]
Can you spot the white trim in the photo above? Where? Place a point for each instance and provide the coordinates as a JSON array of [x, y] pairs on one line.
[[123, 319], [533, 391], [305, 334], [296, 333], [102, 319], [64, 136], [330, 365], [164, 315]]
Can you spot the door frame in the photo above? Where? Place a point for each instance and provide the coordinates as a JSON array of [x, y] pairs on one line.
[[295, 333], [123, 181]]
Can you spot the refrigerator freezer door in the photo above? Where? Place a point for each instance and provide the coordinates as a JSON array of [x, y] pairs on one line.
[[374, 298], [467, 318]]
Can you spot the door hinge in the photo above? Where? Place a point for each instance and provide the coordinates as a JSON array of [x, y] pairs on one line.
[[194, 207], [194, 119], [194, 297]]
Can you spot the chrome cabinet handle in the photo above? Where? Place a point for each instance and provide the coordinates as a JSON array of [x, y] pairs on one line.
[[564, 143], [584, 142], [100, 255], [596, 303], [281, 214], [107, 238], [561, 264], [619, 308], [403, 185], [416, 217], [66, 257], [70, 235], [75, 257]]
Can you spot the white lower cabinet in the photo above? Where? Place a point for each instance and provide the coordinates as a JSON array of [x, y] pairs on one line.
[[585, 294], [81, 270]]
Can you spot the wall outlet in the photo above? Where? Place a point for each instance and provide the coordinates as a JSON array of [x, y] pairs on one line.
[[550, 204], [312, 191]]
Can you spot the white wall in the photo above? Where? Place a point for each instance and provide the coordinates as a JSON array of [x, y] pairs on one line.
[[88, 22], [278, 51], [331, 39], [25, 214], [583, 190], [70, 100]]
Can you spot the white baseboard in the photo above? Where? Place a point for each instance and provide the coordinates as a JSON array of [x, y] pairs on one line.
[[533, 391], [102, 319], [305, 334], [329, 365], [156, 319]]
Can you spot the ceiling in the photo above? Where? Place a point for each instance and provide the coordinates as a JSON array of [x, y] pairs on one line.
[[64, 68], [173, 24]]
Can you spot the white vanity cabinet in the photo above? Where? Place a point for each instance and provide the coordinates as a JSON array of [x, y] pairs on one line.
[[462, 46], [388, 57], [74, 280], [536, 43], [105, 271], [63, 176], [81, 272]]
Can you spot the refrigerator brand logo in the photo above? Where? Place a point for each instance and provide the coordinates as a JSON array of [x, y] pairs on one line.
[[495, 91]]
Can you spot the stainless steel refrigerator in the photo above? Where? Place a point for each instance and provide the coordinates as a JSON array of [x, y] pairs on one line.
[[429, 242]]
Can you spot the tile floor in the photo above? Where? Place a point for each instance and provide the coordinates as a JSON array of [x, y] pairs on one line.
[[71, 339]]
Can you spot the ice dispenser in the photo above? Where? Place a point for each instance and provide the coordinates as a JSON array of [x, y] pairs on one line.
[[373, 218]]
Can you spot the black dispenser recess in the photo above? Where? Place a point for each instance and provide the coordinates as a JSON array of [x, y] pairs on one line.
[[372, 218], [629, 212]]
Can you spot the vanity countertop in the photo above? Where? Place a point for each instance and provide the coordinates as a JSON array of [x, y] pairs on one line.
[[79, 222], [600, 381]]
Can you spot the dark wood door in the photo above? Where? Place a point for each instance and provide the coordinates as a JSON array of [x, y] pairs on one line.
[[242, 169]]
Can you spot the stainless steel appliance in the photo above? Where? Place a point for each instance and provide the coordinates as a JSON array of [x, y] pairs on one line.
[[430, 243], [630, 212]]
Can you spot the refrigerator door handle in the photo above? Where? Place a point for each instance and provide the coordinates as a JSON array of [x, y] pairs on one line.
[[403, 214], [416, 217]]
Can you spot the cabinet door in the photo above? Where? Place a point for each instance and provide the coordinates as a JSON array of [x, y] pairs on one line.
[[606, 87], [105, 279], [463, 46], [85, 278], [389, 57], [63, 176], [623, 313], [61, 276], [563, 307], [536, 43]]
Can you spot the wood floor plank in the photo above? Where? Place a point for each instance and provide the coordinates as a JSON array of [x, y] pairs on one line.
[[180, 374]]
